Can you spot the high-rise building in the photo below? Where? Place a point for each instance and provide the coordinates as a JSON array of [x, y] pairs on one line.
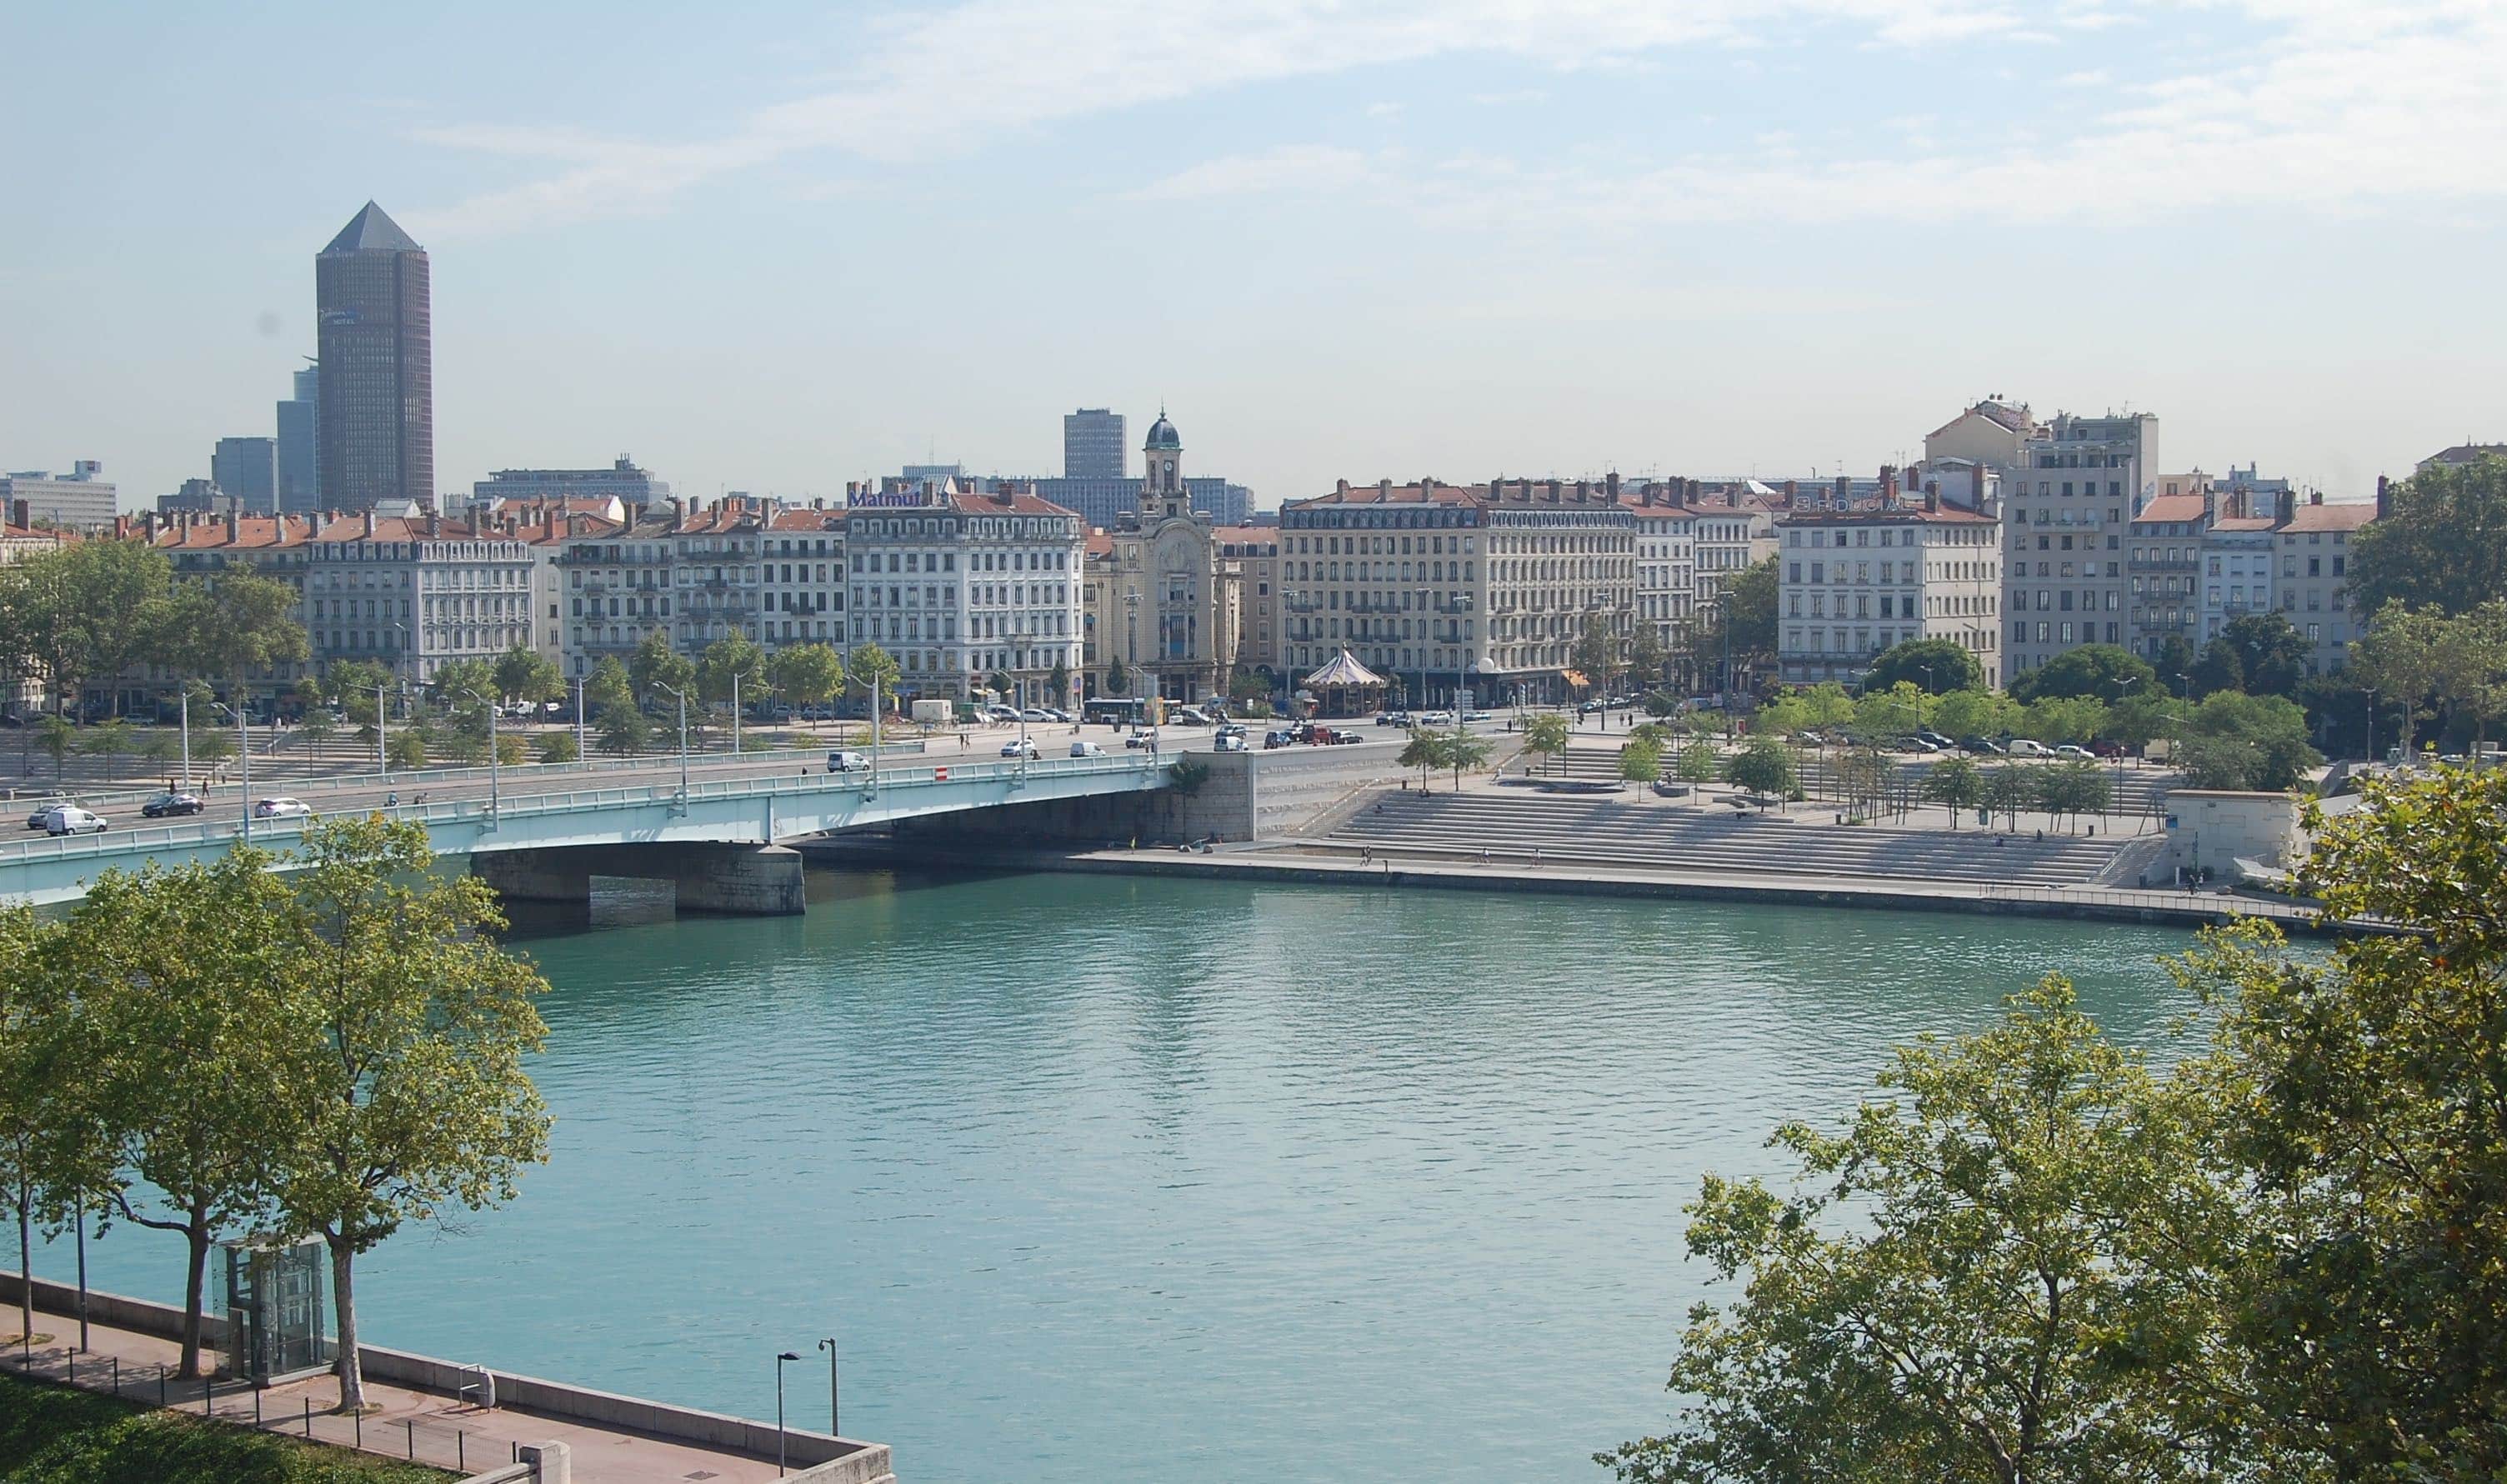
[[2077, 485], [376, 397], [1092, 444], [632, 487], [247, 470], [300, 465]]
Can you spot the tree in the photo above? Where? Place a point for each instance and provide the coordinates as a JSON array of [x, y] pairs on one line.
[[557, 748], [807, 675], [95, 608], [1881, 716], [523, 673], [2442, 543], [407, 1092], [1641, 761], [2097, 672], [1546, 735], [317, 726], [2173, 666], [28, 1033], [2401, 656], [2271, 655], [1649, 657], [1463, 753], [1954, 783], [869, 667], [1425, 751], [2074, 719], [1597, 652], [357, 687], [2218, 668], [1057, 685], [2366, 1087], [108, 739], [1937, 666], [1116, 679], [227, 627], [1763, 767], [1697, 761], [1973, 714], [56, 735], [406, 749], [1970, 1284], [725, 659], [2136, 721], [655, 665], [2235, 740], [1827, 704], [177, 973], [1662, 703], [2008, 791], [1749, 613], [2072, 788], [609, 694]]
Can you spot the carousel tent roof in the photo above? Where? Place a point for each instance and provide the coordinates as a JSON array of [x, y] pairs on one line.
[[1344, 671]]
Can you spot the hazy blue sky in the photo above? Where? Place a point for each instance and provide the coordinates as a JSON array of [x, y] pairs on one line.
[[777, 246]]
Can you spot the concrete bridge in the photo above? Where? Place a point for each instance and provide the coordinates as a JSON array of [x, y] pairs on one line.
[[542, 833]]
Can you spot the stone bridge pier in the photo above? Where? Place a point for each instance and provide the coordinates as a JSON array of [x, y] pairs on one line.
[[740, 880]]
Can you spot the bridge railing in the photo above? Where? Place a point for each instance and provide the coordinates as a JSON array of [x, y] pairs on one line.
[[281, 834]]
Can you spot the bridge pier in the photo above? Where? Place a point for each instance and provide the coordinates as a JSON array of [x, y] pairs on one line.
[[744, 880]]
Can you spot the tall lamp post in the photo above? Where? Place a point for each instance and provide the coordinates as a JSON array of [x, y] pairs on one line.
[[778, 1409], [2372, 726], [834, 1415], [682, 698], [496, 783], [383, 750], [581, 750], [243, 751]]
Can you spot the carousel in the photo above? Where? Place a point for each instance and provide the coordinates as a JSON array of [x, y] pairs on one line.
[[1344, 688]]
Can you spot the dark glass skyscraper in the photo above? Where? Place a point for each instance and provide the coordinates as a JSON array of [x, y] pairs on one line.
[[300, 476], [376, 406]]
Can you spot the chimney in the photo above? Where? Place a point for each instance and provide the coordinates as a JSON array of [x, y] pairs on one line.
[[2385, 497], [2210, 507], [234, 524], [147, 525], [1384, 489], [1612, 484], [434, 525], [370, 522], [1792, 489], [1888, 486], [2288, 506], [1842, 494], [18, 513], [2315, 496], [1933, 500], [1340, 486]]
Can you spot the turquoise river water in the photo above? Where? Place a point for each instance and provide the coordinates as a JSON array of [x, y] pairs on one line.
[[1129, 1180]]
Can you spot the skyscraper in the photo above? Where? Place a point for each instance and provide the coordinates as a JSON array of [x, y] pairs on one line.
[[1092, 444], [300, 469], [247, 468], [377, 399]]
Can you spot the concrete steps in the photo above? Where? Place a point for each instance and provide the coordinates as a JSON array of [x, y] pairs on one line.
[[1691, 838], [2138, 791]]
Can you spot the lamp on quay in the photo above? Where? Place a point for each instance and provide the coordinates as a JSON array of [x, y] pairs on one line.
[[778, 1409], [834, 1425]]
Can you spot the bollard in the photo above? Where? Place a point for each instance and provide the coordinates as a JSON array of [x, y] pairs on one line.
[[309, 1417], [73, 1365], [116, 1375], [460, 1465], [207, 1394], [256, 1406], [410, 1425], [360, 1415], [161, 1383]]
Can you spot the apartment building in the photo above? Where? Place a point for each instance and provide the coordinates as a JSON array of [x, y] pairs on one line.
[[960, 586], [1251, 555], [2202, 558], [2069, 502], [1484, 585], [1852, 583], [1666, 592], [2164, 569]]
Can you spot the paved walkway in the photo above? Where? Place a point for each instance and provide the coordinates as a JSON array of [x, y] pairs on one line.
[[406, 1424]]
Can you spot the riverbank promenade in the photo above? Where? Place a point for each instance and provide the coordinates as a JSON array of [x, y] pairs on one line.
[[449, 1432]]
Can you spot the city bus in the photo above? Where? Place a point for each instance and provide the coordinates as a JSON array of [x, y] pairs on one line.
[[1116, 710]]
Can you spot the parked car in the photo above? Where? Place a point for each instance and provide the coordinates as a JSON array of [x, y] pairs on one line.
[[1034, 714], [1229, 742], [1279, 737], [1437, 719], [2074, 753], [35, 820], [1058, 713], [846, 760], [1939, 743], [168, 806], [281, 807], [1982, 746], [2107, 748], [1393, 718], [1137, 740], [1085, 748], [1911, 744], [2022, 746], [1477, 716], [1016, 747], [70, 820], [1188, 716]]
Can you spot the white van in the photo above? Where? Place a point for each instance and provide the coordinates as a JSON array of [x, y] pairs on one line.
[[1084, 749], [844, 760]]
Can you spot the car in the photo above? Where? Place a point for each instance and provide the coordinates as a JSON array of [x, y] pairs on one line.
[[1437, 719], [1982, 746], [1279, 737], [2074, 753], [1000, 714], [70, 820], [2107, 748], [1391, 718], [1589, 709], [1232, 729], [281, 807], [1232, 742], [1018, 748], [1939, 743], [35, 820], [1477, 716], [846, 760], [2023, 746], [1085, 748], [1188, 716], [168, 806], [1139, 740], [1058, 713], [1034, 714], [1911, 744]]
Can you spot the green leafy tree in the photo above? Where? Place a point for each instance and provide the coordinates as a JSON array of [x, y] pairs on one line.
[[1660, 705], [609, 694], [523, 673], [407, 1092], [1763, 767], [807, 675], [1698, 760], [318, 727], [1882, 716], [2096, 672], [2402, 657], [2069, 789], [1641, 761], [1935, 666], [1057, 685], [2363, 1090], [655, 665], [212, 747], [2137, 721], [177, 976], [2218, 668], [1971, 1281], [867, 666], [1973, 714], [2008, 791], [55, 736], [228, 627], [30, 1034], [2271, 655], [1546, 735], [1425, 751], [557, 748], [358, 687], [1116, 682], [110, 739], [2074, 719], [1464, 753], [1955, 784], [1649, 658], [92, 609], [1828, 704], [2173, 666], [1783, 717], [736, 656], [2442, 544], [1597, 653], [2233, 741], [406, 748], [512, 750], [1749, 614]]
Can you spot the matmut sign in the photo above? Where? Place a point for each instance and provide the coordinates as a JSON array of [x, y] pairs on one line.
[[890, 499]]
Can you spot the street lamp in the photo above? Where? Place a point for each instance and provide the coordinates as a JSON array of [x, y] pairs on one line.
[[2372, 726], [243, 749], [581, 751], [833, 1414], [682, 697], [495, 786], [778, 1409]]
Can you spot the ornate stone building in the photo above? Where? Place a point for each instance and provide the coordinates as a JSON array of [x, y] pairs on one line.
[[1161, 600]]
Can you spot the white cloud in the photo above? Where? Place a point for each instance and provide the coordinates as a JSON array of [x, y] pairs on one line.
[[2338, 102], [1383, 110], [1290, 168], [2095, 77]]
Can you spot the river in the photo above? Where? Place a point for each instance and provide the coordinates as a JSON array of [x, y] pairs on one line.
[[1131, 1179]]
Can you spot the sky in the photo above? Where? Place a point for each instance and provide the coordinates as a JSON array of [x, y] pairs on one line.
[[777, 246]]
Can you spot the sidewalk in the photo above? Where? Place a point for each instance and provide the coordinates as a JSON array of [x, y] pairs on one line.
[[403, 1424]]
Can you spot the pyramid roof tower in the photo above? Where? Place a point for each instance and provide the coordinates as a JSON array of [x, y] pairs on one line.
[[370, 230]]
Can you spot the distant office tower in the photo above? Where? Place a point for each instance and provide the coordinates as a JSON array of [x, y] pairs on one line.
[[622, 480], [77, 500], [1092, 444], [377, 398], [300, 469], [248, 469]]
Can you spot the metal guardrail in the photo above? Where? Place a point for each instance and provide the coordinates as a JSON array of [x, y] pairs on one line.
[[274, 832]]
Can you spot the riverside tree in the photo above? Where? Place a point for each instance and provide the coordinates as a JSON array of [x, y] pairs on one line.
[[1462, 752], [407, 1029], [869, 667], [1641, 761], [1954, 783], [26, 1037], [807, 675], [1546, 735], [1936, 666], [523, 673], [1763, 767], [178, 976], [2443, 544]]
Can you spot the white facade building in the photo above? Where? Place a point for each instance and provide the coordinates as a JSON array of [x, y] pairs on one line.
[[1851, 584]]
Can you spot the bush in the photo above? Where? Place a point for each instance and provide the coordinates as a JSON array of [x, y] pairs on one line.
[[52, 1434]]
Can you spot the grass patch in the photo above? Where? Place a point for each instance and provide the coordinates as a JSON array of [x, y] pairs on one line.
[[53, 1435]]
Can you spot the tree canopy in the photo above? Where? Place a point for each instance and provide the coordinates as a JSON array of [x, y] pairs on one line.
[[2442, 544], [1936, 666], [2102, 672]]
